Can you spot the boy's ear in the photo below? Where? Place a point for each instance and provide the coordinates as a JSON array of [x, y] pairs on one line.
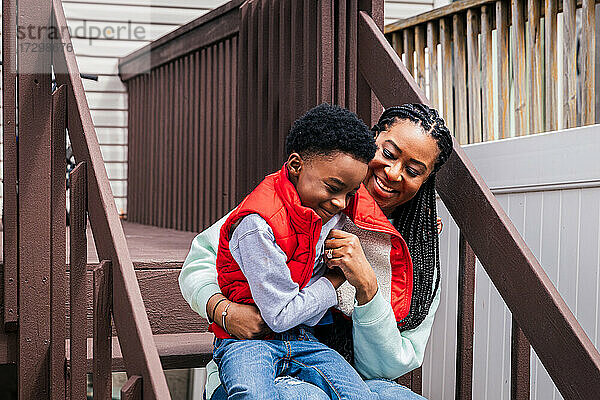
[[294, 164]]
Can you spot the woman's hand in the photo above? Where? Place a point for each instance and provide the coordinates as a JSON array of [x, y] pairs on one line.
[[347, 254], [243, 320]]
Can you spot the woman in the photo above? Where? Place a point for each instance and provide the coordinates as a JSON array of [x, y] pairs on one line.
[[413, 143]]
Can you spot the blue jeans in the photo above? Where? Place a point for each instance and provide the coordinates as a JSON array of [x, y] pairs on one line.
[[248, 368], [294, 389]]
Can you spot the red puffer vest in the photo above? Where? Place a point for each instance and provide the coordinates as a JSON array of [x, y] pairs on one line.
[[296, 229]]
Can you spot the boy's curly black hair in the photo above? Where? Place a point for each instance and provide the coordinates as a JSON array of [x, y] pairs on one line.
[[326, 129]]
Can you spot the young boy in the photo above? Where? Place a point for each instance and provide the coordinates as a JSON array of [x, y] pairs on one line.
[[270, 254]]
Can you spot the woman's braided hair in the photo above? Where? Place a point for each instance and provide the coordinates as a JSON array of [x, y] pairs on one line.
[[416, 220]]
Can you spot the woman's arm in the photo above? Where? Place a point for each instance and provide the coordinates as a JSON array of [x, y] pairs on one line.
[[199, 287], [380, 349]]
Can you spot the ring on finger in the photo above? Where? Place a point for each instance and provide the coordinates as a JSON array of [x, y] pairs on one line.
[[329, 253]]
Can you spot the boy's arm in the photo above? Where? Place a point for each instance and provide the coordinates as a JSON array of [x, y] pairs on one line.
[[281, 302], [380, 349]]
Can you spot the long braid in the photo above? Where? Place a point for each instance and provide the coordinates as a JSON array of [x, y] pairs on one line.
[[416, 220]]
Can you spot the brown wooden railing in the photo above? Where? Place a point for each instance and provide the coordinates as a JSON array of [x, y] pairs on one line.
[[128, 311], [50, 365], [500, 64]]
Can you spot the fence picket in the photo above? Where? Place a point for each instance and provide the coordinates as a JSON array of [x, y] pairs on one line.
[[519, 67], [465, 321], [503, 51], [550, 65], [447, 74], [58, 272], [102, 378], [487, 75], [588, 62], [474, 82], [534, 41], [569, 106], [409, 50], [420, 44], [78, 281], [432, 43], [519, 360], [460, 83]]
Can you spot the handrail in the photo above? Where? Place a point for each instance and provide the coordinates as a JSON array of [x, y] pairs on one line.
[[133, 327], [216, 25], [559, 341]]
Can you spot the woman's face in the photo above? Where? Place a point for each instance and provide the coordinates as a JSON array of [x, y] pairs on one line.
[[404, 160]]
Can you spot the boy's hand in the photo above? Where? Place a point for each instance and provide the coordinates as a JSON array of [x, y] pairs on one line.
[[343, 250]]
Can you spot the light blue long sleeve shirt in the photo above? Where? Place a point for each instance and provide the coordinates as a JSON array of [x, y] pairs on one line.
[[282, 304], [380, 349]]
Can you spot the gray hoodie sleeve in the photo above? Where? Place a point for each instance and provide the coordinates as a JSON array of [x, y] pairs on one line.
[[281, 302]]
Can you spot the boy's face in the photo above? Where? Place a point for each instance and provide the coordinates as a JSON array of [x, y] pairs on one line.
[[326, 183]]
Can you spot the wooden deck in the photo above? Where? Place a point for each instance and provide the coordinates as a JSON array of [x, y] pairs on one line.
[[150, 246], [157, 255]]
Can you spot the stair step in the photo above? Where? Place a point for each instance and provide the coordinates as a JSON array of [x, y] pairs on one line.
[[181, 350]]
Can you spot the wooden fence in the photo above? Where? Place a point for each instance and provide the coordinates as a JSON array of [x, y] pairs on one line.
[[500, 68]]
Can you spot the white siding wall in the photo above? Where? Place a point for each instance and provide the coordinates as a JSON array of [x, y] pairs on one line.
[[397, 9], [560, 223], [108, 97]]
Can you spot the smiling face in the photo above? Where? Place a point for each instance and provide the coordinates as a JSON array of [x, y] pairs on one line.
[[326, 183], [404, 160]]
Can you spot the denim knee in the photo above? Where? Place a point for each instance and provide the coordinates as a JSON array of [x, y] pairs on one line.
[[295, 389], [390, 390]]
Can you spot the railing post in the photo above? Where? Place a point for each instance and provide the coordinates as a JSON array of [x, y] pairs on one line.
[[78, 292], [132, 390], [102, 331], [58, 273], [34, 160], [9, 181], [465, 321], [519, 361]]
